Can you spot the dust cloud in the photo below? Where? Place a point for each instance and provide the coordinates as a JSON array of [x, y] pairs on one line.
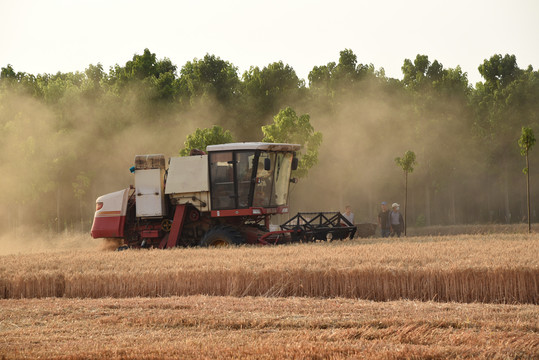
[[26, 240], [362, 136], [57, 158], [356, 160]]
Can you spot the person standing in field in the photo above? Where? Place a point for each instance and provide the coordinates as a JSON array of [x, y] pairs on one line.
[[383, 220], [396, 222], [348, 214]]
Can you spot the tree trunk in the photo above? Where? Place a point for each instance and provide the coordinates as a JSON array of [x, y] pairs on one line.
[[372, 206], [452, 208], [81, 217], [342, 200], [490, 210], [58, 210], [427, 205], [405, 200], [506, 197], [528, 191]]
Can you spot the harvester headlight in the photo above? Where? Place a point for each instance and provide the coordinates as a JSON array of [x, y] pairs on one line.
[[257, 212], [284, 210], [98, 205]]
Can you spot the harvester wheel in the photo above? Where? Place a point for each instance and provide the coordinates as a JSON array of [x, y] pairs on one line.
[[222, 236], [166, 225], [194, 215]]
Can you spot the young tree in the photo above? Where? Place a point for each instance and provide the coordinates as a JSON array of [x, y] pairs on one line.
[[287, 127], [204, 137], [526, 142], [407, 163]]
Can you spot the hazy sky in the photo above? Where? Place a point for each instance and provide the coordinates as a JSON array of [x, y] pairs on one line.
[[40, 36]]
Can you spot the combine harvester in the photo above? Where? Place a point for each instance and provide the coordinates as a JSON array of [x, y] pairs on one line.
[[224, 197]]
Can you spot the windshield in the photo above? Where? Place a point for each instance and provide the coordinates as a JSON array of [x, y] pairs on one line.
[[231, 174], [222, 177], [283, 167], [271, 186], [244, 174]]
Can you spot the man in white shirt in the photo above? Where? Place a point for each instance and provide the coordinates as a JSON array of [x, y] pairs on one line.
[[395, 220], [348, 214]]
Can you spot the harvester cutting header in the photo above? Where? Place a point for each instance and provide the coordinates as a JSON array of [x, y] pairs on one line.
[[224, 197]]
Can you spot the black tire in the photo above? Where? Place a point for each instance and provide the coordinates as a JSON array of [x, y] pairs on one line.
[[222, 236]]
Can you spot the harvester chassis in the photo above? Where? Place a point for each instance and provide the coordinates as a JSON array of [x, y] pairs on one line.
[[187, 229]]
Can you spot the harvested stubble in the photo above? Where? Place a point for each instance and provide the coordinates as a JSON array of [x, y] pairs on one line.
[[201, 327], [496, 268]]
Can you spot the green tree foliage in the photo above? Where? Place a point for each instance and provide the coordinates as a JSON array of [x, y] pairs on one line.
[[267, 90], [495, 96], [321, 80], [422, 75], [507, 98], [407, 163], [91, 86], [287, 127], [208, 77], [337, 79], [201, 138], [52, 124], [155, 79], [421, 70], [499, 71], [18, 82], [526, 142], [438, 99]]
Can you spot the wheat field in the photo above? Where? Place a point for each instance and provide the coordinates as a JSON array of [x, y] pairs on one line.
[[465, 296], [494, 268], [203, 327]]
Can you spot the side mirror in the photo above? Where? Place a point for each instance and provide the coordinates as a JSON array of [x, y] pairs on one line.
[[295, 163], [267, 164]]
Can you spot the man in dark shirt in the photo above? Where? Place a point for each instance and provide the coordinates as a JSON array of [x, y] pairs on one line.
[[383, 220]]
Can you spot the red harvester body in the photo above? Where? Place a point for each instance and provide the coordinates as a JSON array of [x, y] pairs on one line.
[[224, 197]]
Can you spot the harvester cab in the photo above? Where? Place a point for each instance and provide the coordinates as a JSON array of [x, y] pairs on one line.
[[224, 197]]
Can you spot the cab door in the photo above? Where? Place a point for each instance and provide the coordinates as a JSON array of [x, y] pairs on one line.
[[231, 174]]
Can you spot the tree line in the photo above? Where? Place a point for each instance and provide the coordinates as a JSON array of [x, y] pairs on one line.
[[66, 137]]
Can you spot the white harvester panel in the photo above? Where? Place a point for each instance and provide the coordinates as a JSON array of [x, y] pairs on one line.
[[187, 174], [187, 181], [149, 183]]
